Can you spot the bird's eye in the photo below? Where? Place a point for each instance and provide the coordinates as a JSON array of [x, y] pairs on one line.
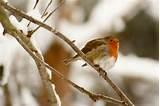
[[111, 40]]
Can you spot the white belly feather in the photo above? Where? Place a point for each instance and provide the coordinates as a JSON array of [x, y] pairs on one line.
[[105, 62]]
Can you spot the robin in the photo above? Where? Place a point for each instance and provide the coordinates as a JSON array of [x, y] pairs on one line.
[[101, 51]]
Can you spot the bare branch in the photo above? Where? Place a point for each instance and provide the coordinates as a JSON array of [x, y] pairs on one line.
[[10, 29], [40, 64], [46, 8], [94, 97], [101, 72]]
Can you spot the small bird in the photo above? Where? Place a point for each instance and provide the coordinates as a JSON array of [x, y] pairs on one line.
[[101, 51]]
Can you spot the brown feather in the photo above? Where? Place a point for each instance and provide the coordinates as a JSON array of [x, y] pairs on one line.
[[93, 45]]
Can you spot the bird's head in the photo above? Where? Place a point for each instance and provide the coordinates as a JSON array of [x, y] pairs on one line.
[[112, 43]]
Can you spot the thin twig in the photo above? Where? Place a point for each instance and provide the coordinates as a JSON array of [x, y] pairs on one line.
[[51, 13], [43, 14], [36, 4], [101, 72]]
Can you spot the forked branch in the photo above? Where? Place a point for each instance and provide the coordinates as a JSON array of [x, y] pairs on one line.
[[101, 72]]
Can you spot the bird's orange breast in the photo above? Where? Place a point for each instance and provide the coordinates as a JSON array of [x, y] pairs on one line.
[[113, 50]]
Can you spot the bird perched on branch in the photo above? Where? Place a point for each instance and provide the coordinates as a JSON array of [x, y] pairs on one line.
[[102, 52]]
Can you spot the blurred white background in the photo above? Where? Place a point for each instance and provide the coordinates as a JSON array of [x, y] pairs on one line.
[[134, 22]]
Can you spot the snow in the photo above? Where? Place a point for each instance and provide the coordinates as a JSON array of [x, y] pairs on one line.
[[131, 66], [27, 98], [136, 66], [152, 8], [107, 15], [127, 66], [8, 48], [41, 38], [56, 95]]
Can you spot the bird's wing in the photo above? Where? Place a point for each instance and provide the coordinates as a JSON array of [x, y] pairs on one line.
[[92, 45]]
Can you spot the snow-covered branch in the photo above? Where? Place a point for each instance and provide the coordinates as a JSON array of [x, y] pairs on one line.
[[27, 44], [101, 72]]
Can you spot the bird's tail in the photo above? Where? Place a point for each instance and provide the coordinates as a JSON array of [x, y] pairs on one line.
[[72, 59]]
